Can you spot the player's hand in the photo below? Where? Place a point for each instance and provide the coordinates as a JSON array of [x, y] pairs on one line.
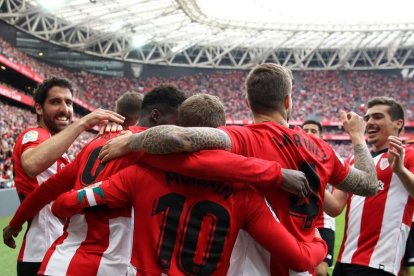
[[353, 123], [110, 127], [98, 117], [396, 154], [115, 147], [295, 182], [8, 236]]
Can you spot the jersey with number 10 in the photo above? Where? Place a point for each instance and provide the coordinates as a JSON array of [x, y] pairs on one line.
[[187, 226], [293, 149]]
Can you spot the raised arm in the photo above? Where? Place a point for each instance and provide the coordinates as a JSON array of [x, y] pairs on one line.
[[362, 178], [167, 139], [37, 159]]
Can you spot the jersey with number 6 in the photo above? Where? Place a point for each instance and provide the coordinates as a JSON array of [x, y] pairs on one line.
[[187, 226], [293, 149]]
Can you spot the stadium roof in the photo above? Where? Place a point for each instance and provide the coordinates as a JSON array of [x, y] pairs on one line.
[[301, 34]]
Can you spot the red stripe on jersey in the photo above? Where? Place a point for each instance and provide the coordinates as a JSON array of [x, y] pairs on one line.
[[51, 250], [83, 256]]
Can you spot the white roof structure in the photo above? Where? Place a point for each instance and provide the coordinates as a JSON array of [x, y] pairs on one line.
[[300, 34]]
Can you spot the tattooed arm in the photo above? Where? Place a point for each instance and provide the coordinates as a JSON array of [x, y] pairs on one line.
[[362, 179], [166, 139]]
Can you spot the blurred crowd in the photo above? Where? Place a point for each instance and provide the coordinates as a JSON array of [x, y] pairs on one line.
[[318, 93], [321, 94]]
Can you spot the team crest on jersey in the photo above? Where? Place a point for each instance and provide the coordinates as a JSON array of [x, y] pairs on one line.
[[380, 185], [30, 136], [384, 163]]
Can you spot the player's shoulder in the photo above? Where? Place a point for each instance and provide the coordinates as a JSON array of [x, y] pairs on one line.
[[32, 134]]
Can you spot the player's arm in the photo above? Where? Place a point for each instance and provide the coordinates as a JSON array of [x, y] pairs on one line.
[[113, 192], [37, 159], [263, 226], [396, 160], [167, 139], [335, 202], [362, 178], [221, 165], [59, 183]]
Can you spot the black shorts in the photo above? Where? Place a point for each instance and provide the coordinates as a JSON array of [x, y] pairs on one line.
[[328, 235], [27, 268], [408, 259], [357, 270]]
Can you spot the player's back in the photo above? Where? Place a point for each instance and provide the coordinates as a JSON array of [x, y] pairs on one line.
[[97, 242], [188, 226], [293, 149]]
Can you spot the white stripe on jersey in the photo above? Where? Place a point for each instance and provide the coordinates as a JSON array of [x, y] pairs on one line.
[[354, 219], [62, 255], [44, 229], [117, 256], [294, 273], [248, 257], [90, 196], [390, 247], [355, 213]]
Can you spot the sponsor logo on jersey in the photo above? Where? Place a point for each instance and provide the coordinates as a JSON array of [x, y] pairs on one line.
[[30, 136], [380, 185]]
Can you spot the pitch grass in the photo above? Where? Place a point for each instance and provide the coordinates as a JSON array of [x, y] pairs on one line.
[[8, 256]]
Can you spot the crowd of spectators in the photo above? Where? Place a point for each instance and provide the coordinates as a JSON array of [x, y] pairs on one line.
[[319, 93]]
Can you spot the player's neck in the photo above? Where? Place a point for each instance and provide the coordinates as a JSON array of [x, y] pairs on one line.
[[379, 148], [43, 125], [274, 117]]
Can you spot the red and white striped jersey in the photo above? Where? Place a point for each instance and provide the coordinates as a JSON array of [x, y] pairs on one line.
[[377, 227], [44, 227], [325, 220]]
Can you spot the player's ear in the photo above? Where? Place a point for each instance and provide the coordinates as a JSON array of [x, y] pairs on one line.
[[246, 100], [155, 116], [398, 124], [288, 102], [39, 109]]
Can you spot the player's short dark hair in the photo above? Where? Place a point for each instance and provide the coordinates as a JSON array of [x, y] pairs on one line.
[[395, 110], [164, 97], [267, 86], [41, 92], [202, 110], [313, 122], [129, 104]]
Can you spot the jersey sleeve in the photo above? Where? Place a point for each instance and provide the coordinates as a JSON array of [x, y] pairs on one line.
[[57, 184], [262, 224], [114, 192], [340, 168], [239, 137], [33, 138], [219, 165], [409, 159]]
